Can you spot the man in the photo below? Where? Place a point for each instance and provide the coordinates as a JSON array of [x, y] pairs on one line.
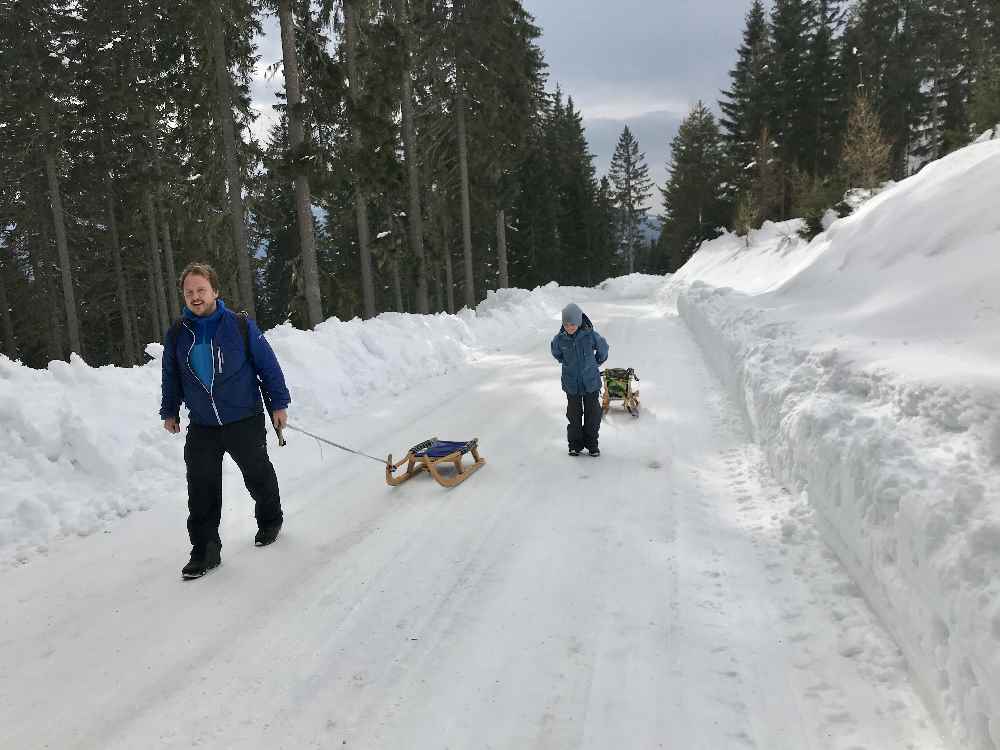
[[217, 363], [581, 351]]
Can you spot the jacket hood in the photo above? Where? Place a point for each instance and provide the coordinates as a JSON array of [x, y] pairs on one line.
[[585, 324], [219, 312]]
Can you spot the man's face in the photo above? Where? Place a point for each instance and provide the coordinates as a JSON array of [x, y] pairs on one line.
[[199, 295], [570, 328]]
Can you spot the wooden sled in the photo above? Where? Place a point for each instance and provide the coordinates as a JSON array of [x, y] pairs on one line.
[[427, 456], [618, 386]]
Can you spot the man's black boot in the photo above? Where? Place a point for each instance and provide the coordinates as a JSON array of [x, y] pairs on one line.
[[203, 560], [267, 534]]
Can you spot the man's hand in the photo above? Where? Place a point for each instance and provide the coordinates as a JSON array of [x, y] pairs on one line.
[[279, 418], [171, 424]]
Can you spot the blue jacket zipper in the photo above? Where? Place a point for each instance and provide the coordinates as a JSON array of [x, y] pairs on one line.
[[208, 388]]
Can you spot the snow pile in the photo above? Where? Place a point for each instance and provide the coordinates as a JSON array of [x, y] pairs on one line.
[[868, 365], [84, 445], [990, 135], [76, 442], [632, 286]]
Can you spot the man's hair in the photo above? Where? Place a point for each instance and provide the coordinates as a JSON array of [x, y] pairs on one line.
[[201, 269]]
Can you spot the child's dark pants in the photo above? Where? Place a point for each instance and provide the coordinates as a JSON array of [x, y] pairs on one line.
[[584, 414]]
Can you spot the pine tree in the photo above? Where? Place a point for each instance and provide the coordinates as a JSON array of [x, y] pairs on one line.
[[883, 61], [984, 110], [503, 91], [40, 62], [356, 19], [221, 20], [8, 342], [824, 103], [297, 142], [556, 229], [865, 159], [277, 220], [630, 188], [535, 207], [961, 39], [411, 151], [148, 109], [790, 119], [763, 199], [692, 202], [745, 105], [577, 187], [603, 232]]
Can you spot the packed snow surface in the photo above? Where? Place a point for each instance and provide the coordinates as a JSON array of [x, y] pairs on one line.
[[795, 546]]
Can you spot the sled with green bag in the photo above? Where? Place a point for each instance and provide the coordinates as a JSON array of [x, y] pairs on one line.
[[619, 385]]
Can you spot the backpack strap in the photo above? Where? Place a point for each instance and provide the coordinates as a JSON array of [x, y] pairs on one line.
[[242, 320]]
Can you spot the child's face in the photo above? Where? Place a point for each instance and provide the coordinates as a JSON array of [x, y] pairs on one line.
[[570, 328]]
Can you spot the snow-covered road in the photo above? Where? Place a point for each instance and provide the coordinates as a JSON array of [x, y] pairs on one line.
[[667, 594]]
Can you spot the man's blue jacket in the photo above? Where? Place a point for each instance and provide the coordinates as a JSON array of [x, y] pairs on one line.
[[240, 371], [581, 355]]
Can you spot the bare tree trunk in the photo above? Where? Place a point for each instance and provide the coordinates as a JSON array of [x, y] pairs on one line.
[[502, 248], [438, 288], [135, 313], [9, 342], [449, 277], [128, 345], [41, 262], [504, 276], [173, 295], [411, 152], [449, 273], [179, 239], [155, 266], [397, 284], [296, 137], [463, 168], [62, 246], [161, 215], [158, 325], [360, 199], [132, 310], [57, 346], [128, 338], [224, 83], [631, 242]]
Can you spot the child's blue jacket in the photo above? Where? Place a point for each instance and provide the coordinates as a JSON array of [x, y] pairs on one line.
[[581, 355]]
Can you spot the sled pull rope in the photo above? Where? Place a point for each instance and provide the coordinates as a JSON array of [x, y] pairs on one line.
[[335, 445]]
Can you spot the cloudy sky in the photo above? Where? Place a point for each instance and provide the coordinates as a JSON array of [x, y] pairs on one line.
[[640, 62]]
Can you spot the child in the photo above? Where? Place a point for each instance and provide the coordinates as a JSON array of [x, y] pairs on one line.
[[581, 350]]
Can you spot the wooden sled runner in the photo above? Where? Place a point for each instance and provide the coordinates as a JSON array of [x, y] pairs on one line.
[[427, 456], [618, 386]]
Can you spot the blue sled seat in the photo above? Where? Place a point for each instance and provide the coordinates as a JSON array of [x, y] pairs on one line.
[[442, 448]]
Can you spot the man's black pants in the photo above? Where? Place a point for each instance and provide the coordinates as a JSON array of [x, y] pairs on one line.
[[246, 442], [584, 414]]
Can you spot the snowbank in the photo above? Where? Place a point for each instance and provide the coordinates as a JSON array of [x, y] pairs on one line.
[[989, 135], [632, 286], [84, 445], [868, 365]]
